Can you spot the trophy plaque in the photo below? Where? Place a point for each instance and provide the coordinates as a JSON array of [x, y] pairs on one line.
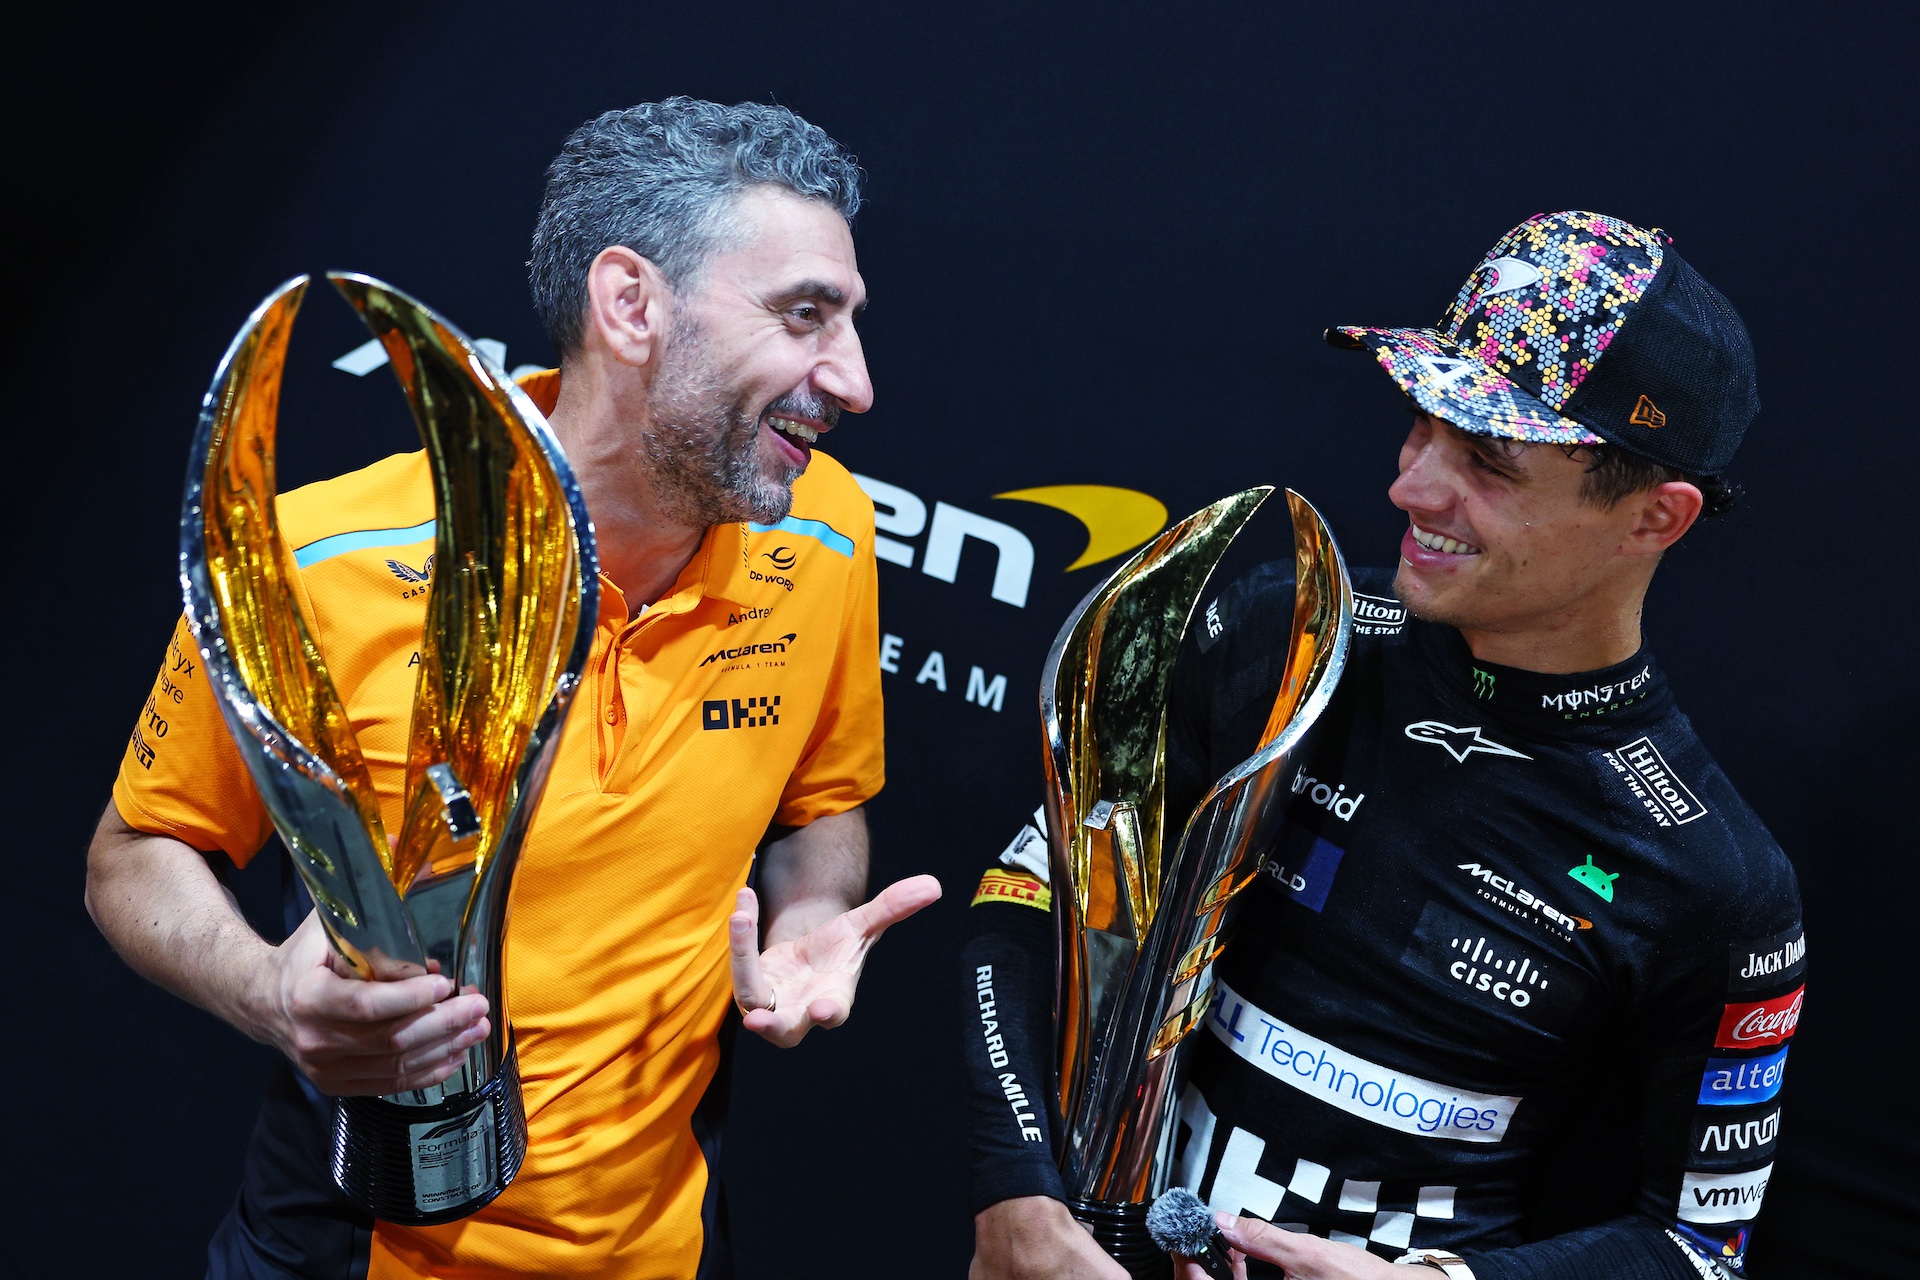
[[509, 623], [1138, 930]]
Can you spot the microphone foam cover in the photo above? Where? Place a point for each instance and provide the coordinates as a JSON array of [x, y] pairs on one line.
[[1180, 1222]]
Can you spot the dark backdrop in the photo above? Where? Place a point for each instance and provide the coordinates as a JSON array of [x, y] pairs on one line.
[[1102, 243]]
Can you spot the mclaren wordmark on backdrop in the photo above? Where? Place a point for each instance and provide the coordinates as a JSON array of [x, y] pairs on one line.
[[934, 541]]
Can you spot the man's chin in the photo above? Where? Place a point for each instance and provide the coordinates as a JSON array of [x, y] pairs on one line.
[[1420, 599]]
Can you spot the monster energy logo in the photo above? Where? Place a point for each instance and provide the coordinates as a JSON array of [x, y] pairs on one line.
[[1482, 684]]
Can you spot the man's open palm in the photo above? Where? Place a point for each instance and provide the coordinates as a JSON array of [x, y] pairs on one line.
[[796, 985]]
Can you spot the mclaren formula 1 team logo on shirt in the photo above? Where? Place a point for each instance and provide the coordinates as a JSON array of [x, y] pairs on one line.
[[1460, 742]]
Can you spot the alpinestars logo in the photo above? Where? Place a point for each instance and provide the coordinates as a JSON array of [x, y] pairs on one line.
[[1647, 775], [740, 713], [1459, 743]]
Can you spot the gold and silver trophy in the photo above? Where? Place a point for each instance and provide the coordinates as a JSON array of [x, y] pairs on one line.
[[1138, 928], [509, 623]]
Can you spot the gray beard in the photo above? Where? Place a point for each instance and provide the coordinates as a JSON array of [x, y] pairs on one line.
[[701, 449]]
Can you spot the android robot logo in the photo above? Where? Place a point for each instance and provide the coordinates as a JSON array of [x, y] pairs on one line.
[[1595, 879]]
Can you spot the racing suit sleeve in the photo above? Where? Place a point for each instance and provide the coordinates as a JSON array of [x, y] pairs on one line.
[[1715, 1028], [1008, 1027]]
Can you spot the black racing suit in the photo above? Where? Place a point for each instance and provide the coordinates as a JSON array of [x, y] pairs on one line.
[[1511, 919]]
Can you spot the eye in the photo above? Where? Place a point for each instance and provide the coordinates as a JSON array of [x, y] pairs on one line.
[[805, 313], [1481, 464]]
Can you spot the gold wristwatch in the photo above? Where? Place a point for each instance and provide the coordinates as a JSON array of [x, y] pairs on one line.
[[1440, 1260]]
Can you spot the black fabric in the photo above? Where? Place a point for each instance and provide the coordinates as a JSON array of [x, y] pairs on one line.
[[1434, 921], [709, 1130], [289, 1221], [1684, 355], [1007, 1042]]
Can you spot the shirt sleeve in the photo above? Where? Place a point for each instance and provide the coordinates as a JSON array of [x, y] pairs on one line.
[[181, 775], [1007, 1029], [1716, 1029], [844, 762]]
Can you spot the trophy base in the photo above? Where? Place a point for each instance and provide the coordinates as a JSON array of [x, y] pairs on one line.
[[1121, 1230], [417, 1166]]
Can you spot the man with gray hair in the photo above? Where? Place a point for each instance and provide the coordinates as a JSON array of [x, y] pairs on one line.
[[694, 267]]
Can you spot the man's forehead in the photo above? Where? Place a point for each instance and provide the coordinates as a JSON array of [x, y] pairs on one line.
[[793, 246]]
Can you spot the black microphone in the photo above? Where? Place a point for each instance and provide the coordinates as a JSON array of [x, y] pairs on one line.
[[1180, 1223]]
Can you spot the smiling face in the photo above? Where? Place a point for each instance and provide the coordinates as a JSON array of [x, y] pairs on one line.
[[1502, 544], [758, 361]]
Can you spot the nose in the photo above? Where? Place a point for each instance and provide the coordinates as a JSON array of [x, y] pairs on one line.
[[842, 372], [1422, 482]]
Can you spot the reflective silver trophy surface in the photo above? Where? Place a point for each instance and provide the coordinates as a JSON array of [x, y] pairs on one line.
[[1138, 931], [509, 622]]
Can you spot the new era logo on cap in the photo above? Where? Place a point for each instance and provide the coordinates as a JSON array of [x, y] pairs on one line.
[[1568, 332]]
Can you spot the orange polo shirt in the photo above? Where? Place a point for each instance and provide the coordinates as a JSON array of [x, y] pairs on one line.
[[748, 695]]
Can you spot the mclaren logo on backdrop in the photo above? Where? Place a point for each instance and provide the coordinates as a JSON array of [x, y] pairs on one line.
[[1116, 520]]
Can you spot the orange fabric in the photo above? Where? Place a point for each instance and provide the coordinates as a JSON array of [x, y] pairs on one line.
[[616, 960]]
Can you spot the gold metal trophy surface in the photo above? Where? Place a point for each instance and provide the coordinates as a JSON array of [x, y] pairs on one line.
[[1138, 928], [509, 624]]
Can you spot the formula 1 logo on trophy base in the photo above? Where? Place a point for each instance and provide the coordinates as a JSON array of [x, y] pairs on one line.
[[509, 623]]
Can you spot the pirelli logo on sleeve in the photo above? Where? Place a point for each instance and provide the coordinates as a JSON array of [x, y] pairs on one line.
[[1011, 886]]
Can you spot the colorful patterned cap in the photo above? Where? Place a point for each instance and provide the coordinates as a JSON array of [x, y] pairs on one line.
[[1518, 354]]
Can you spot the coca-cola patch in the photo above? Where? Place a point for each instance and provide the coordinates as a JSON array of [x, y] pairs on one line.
[[1755, 1026]]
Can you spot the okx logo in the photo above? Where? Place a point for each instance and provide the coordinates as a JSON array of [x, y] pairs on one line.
[[740, 713]]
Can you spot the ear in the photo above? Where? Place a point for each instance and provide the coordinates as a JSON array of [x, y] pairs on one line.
[[1666, 512], [626, 305]]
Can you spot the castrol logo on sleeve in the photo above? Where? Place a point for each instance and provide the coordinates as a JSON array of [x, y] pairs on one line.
[[1754, 1026]]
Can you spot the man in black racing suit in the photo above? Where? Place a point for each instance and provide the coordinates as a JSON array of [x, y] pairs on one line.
[[1515, 906]]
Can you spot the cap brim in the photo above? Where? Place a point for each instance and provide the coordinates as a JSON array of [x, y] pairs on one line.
[[1449, 382]]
